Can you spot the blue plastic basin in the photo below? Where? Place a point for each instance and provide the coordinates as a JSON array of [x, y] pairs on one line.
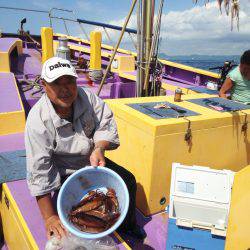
[[79, 184]]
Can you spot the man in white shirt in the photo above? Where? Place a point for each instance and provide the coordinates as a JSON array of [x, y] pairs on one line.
[[67, 129]]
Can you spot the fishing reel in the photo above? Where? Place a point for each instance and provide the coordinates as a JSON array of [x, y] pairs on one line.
[[223, 71], [156, 77], [155, 68]]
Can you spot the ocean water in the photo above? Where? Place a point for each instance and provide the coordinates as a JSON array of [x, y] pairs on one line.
[[202, 61]]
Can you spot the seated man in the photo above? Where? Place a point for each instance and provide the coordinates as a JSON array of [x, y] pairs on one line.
[[67, 129], [238, 81]]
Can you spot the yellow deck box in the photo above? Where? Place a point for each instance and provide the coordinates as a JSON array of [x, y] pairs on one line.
[[239, 219], [123, 63], [195, 135]]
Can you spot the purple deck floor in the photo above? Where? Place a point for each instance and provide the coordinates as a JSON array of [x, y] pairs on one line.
[[11, 142], [29, 63], [9, 100], [156, 229]]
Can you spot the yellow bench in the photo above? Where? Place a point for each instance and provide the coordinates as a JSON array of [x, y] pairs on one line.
[[12, 115], [7, 45]]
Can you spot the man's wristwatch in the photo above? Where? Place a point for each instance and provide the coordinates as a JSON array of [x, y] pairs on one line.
[[99, 147]]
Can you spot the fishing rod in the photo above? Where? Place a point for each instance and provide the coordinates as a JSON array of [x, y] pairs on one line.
[[24, 9]]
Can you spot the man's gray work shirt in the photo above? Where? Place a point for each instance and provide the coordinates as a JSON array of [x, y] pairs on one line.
[[56, 147]]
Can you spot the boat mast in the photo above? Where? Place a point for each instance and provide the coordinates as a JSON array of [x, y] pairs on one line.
[[150, 5], [139, 49], [145, 19]]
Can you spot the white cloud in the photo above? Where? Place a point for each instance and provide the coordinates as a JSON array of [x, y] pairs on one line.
[[84, 5], [200, 30], [46, 4], [203, 23]]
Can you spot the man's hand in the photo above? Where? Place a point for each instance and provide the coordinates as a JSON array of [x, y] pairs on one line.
[[52, 222], [54, 227], [97, 157]]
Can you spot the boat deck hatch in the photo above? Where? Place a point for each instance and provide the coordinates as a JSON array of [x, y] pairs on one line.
[[162, 110], [220, 104]]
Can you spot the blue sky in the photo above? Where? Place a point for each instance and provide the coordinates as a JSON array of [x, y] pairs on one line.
[[104, 10], [186, 28]]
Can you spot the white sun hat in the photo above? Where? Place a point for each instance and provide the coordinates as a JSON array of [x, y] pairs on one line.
[[55, 67]]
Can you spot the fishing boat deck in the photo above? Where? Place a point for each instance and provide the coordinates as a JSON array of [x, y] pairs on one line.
[[29, 66], [119, 84]]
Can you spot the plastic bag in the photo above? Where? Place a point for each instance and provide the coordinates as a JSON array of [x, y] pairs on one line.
[[105, 243], [72, 242], [53, 244]]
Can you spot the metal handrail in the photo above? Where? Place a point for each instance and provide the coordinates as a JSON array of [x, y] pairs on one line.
[[110, 26], [103, 25], [52, 9], [65, 10], [24, 9]]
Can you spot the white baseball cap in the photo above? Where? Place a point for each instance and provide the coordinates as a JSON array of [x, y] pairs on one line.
[[55, 67]]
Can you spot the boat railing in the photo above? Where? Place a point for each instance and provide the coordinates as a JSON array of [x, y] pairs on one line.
[[105, 26], [64, 19]]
